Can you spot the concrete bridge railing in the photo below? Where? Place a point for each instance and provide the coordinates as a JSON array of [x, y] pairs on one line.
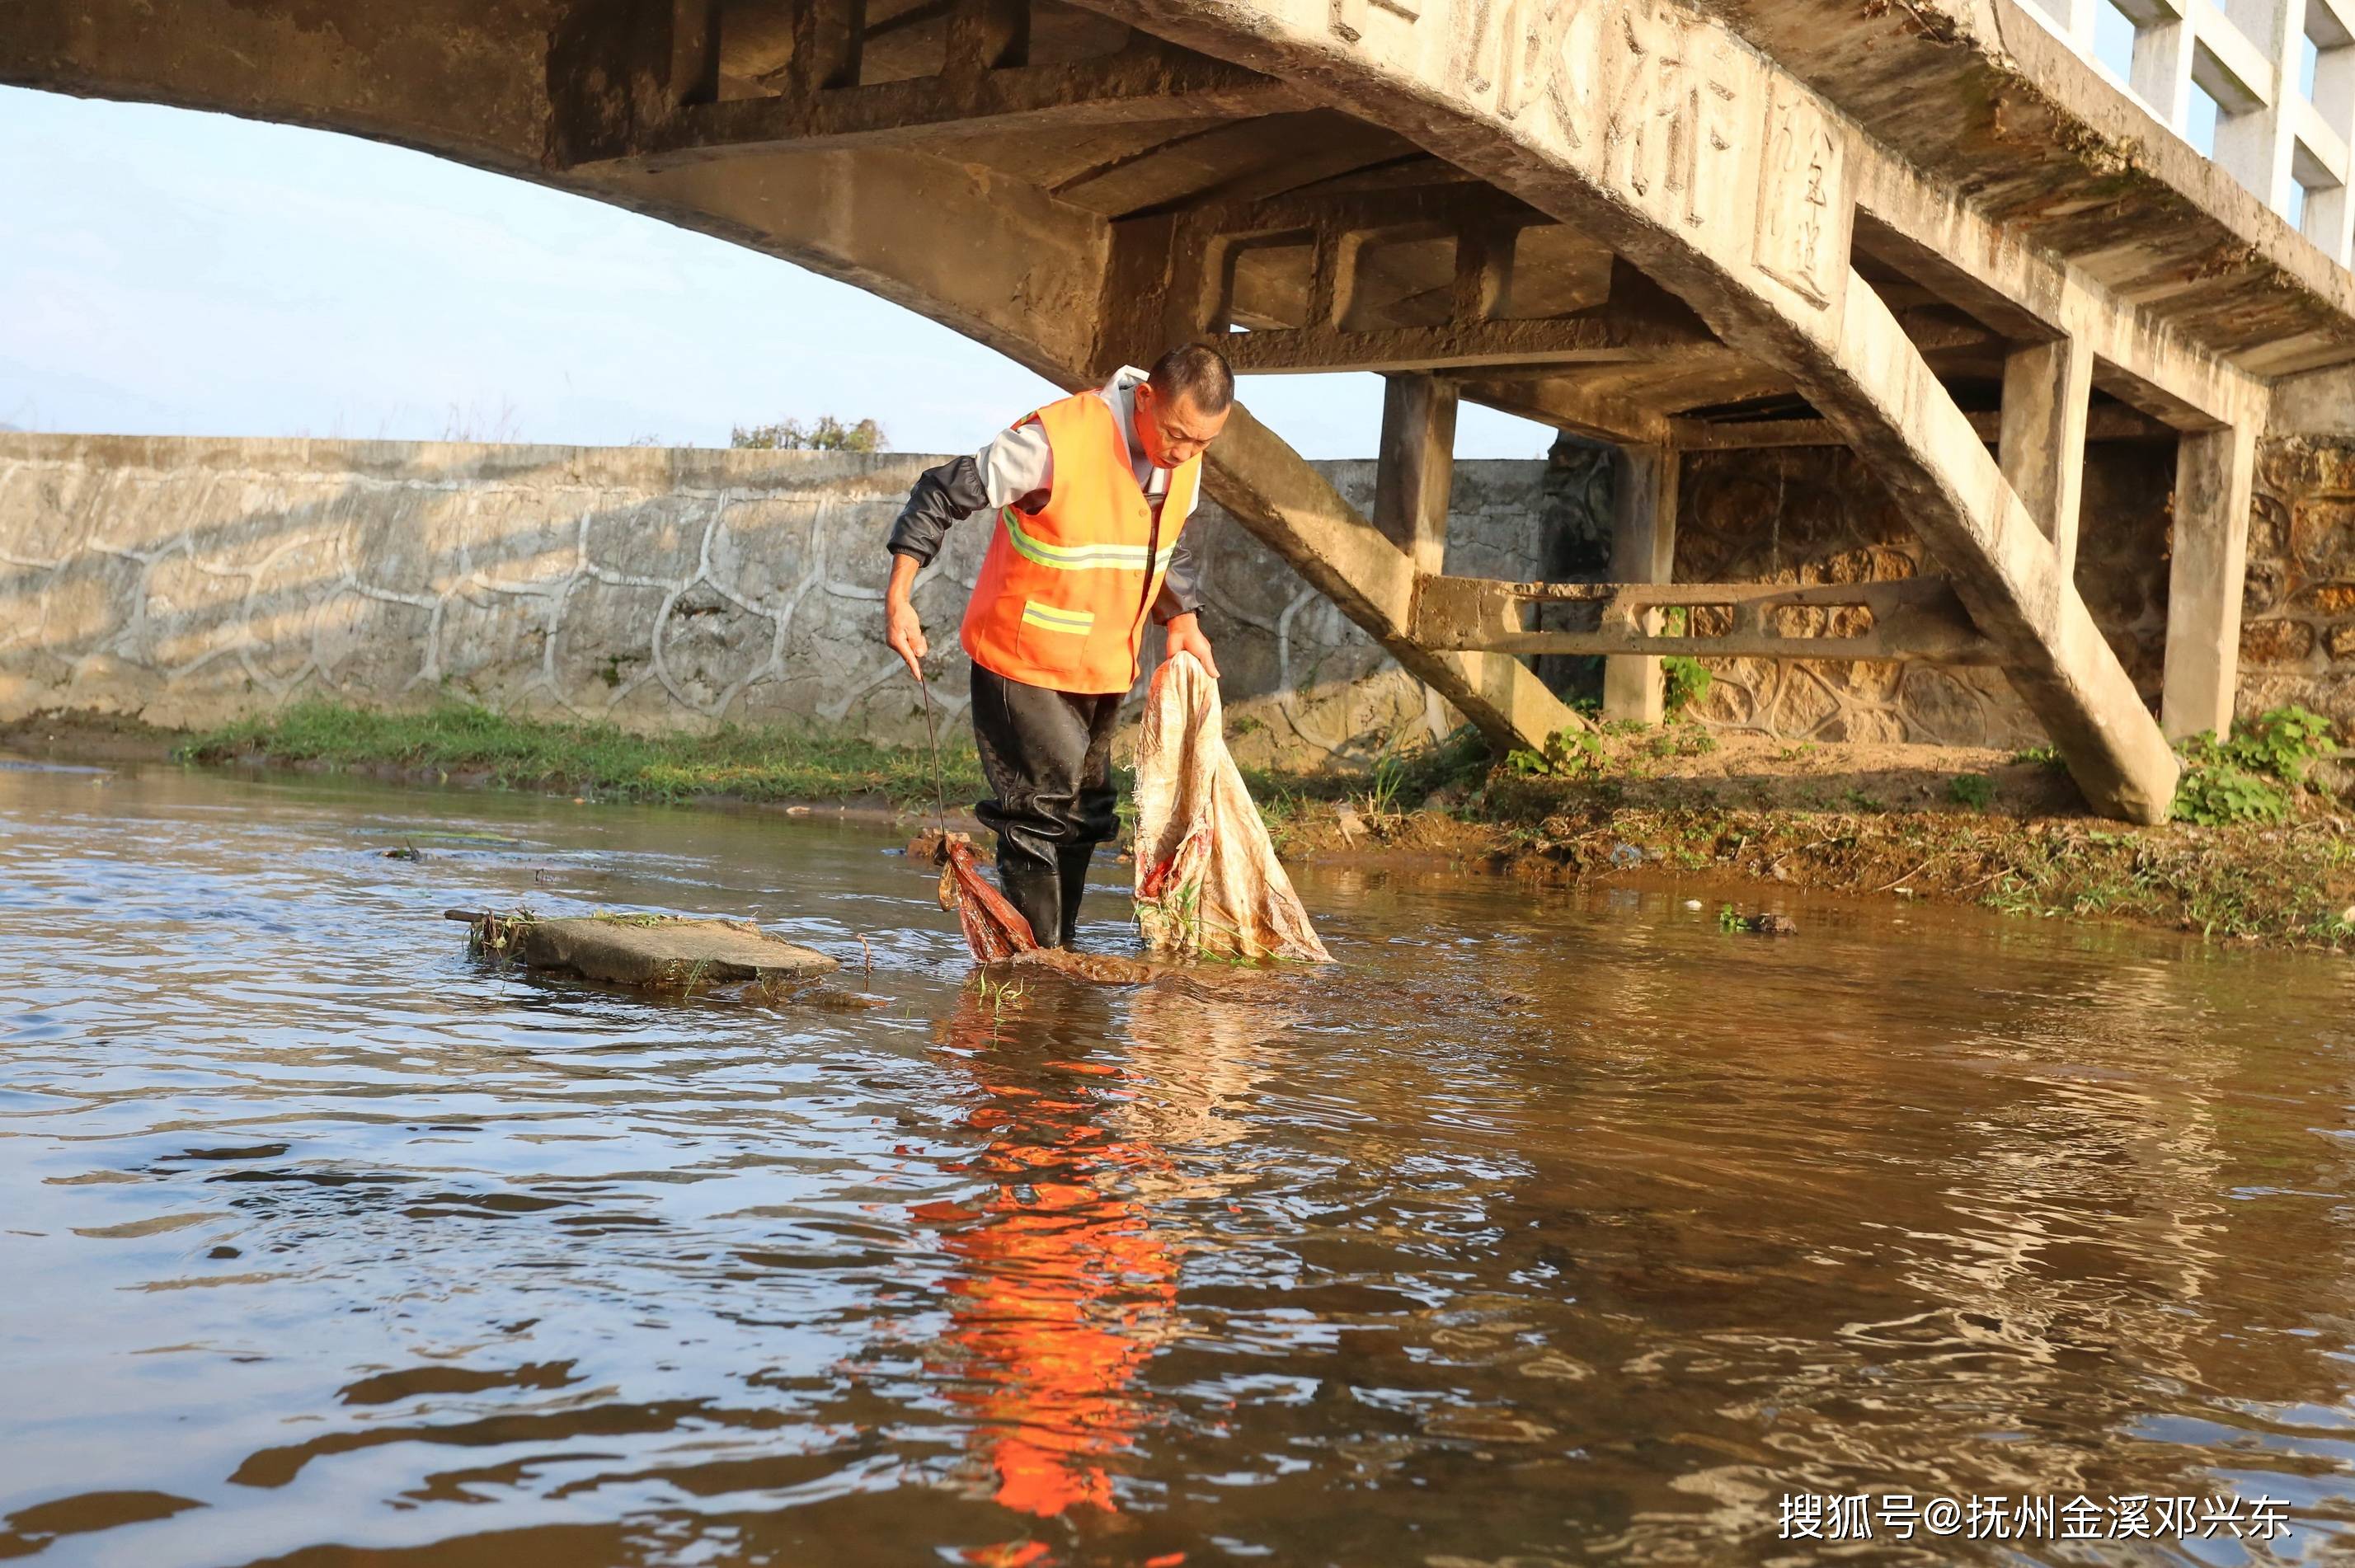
[[2264, 87]]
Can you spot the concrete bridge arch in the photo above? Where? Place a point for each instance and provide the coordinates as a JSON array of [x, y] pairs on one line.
[[1929, 233]]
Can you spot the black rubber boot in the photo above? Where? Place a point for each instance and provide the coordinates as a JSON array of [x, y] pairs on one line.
[[1038, 893], [1074, 863]]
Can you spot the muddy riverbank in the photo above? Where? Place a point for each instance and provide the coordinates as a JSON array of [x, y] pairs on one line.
[[1892, 823]]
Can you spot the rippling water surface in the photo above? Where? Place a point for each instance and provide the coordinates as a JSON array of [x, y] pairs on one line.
[[1545, 1228]]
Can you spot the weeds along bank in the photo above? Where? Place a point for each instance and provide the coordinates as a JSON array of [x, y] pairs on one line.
[[2263, 850], [2262, 846]]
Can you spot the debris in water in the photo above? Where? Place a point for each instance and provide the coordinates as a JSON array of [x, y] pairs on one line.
[[927, 845], [804, 991], [1692, 903], [406, 852], [1729, 918], [1625, 856], [998, 934], [653, 952], [1103, 968]]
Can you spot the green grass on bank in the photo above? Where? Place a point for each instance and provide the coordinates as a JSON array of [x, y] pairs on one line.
[[2256, 853], [2258, 850], [753, 764]]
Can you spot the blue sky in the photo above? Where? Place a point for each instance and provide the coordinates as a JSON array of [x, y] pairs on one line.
[[170, 272]]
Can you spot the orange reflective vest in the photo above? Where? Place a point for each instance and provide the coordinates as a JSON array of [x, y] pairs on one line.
[[1063, 596]]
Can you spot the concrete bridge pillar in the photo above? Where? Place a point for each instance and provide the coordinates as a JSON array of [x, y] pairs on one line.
[[1643, 550], [2213, 471], [1415, 468]]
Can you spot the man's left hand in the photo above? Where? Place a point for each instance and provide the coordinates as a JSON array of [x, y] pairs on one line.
[[1184, 635]]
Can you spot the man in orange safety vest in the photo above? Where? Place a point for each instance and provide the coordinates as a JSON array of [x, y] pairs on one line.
[[1091, 495]]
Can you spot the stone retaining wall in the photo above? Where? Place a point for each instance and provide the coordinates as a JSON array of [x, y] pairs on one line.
[[1814, 514], [191, 581], [187, 582], [2297, 631]]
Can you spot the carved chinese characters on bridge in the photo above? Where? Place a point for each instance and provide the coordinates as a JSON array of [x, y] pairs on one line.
[[1660, 109], [1803, 233]]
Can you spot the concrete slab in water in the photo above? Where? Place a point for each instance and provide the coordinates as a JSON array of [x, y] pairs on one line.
[[663, 951]]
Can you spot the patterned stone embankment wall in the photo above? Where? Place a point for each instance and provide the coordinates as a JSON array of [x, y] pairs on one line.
[[2298, 627], [1813, 515], [187, 582]]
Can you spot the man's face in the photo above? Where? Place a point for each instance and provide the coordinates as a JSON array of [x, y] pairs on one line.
[[1173, 430]]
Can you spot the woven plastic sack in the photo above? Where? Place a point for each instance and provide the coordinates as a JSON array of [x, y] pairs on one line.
[[1208, 882]]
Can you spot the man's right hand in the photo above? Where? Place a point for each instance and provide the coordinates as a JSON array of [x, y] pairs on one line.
[[902, 632]]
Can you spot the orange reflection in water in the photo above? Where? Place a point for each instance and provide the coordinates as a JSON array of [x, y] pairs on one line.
[[1064, 1289]]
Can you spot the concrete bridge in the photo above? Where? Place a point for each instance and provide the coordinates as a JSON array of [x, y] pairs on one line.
[[1935, 232]]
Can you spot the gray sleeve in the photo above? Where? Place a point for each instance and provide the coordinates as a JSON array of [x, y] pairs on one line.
[[1181, 585]]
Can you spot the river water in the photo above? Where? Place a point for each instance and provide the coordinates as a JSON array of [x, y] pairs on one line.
[[1545, 1227]]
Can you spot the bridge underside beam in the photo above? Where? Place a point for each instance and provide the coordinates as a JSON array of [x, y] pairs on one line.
[[1145, 84], [2108, 422], [1910, 618], [1603, 337], [1291, 508], [1570, 403]]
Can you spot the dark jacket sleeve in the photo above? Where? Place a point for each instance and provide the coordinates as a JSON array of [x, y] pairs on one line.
[[1181, 585], [943, 495]]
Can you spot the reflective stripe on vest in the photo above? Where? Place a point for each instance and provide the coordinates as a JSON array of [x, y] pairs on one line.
[[1079, 557], [1078, 621]]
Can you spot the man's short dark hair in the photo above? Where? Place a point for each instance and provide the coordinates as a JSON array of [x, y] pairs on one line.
[[1196, 373]]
